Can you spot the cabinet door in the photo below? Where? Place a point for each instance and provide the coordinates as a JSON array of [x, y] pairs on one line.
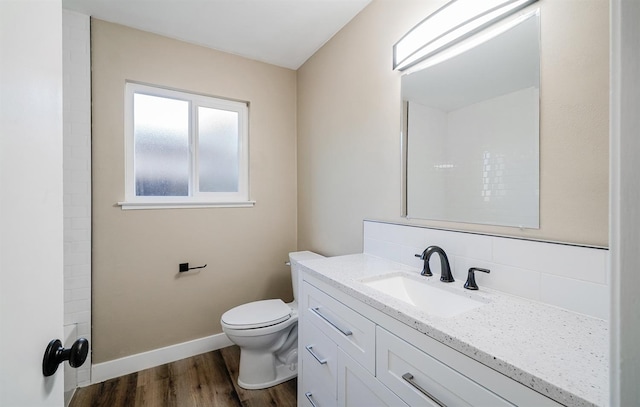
[[358, 388], [421, 380]]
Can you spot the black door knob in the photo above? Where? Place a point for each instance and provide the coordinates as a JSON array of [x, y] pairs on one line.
[[56, 354]]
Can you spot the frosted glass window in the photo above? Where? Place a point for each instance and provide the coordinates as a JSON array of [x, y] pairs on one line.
[[218, 159], [161, 134], [184, 150]]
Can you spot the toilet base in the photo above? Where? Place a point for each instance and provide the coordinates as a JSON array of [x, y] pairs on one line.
[[283, 373]]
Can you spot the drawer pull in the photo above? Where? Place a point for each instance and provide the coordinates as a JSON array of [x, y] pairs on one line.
[[409, 378], [344, 331], [309, 397], [321, 361]]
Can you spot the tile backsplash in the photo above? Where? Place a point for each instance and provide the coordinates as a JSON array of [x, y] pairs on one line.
[[567, 276]]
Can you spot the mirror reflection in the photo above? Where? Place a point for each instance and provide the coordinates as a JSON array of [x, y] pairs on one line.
[[472, 133]]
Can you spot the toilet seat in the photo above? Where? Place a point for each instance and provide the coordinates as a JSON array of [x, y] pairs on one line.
[[257, 314]]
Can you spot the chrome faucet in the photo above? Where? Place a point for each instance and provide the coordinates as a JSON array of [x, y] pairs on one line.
[[445, 275]]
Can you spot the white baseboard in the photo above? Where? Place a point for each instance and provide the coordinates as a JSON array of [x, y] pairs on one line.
[[134, 363]]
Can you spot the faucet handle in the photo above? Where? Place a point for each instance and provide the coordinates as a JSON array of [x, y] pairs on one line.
[[470, 284], [425, 268]]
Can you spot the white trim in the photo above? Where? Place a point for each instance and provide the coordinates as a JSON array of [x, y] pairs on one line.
[[614, 200], [179, 205], [195, 196], [624, 215], [135, 363]]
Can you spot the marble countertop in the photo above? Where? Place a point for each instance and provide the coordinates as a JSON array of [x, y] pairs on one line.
[[558, 353]]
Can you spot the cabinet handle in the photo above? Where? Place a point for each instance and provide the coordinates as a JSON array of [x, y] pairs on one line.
[[321, 361], [409, 378], [344, 331], [309, 397]]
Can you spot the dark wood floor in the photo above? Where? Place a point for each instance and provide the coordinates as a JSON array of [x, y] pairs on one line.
[[209, 379]]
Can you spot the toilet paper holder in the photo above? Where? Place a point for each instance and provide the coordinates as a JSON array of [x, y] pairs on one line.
[[183, 267]]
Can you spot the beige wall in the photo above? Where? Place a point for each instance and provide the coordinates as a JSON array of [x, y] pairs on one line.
[[349, 127], [139, 300], [348, 168]]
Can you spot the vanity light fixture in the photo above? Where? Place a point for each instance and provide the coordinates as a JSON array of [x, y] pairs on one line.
[[450, 24]]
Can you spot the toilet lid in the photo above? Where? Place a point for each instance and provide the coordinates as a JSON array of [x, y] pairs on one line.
[[257, 314]]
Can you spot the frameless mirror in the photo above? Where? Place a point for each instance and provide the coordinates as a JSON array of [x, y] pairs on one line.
[[472, 132]]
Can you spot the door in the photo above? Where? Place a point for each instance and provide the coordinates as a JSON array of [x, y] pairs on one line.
[[31, 217]]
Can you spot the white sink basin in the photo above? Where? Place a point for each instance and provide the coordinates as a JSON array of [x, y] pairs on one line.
[[424, 295]]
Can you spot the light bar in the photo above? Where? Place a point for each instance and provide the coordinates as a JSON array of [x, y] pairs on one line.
[[452, 23]]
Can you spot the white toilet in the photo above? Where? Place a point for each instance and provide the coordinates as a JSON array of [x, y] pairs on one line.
[[267, 333]]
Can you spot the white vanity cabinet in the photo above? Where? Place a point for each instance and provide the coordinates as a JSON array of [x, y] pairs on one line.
[[320, 359], [354, 355], [422, 380], [338, 355], [358, 388], [352, 332]]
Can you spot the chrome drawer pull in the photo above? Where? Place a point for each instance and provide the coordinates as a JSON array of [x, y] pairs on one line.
[[345, 332], [409, 378], [321, 361], [308, 396]]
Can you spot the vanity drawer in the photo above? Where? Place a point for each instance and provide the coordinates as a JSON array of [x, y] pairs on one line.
[[352, 332], [320, 360], [411, 373]]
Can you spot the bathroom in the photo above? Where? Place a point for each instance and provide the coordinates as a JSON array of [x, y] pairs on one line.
[[333, 125]]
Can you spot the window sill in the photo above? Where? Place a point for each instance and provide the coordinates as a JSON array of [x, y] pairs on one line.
[[184, 205]]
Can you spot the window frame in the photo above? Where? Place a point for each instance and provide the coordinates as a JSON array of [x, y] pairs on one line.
[[195, 197]]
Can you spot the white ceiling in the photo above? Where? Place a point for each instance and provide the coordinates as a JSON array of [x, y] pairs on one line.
[[280, 32]]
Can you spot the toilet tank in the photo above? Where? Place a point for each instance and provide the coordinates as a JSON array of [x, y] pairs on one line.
[[295, 258]]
